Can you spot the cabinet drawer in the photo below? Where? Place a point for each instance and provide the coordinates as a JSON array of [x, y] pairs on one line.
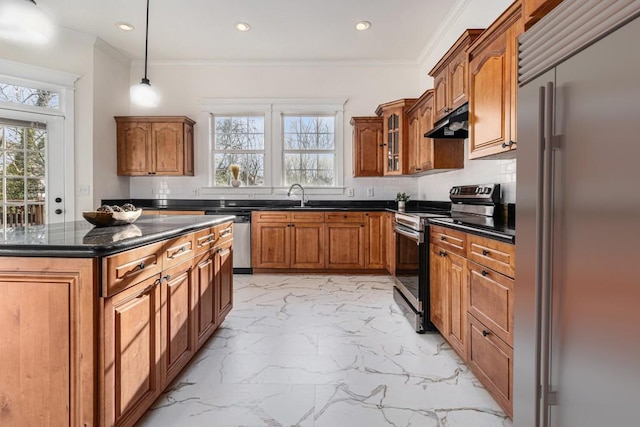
[[490, 297], [204, 240], [496, 255], [127, 268], [271, 216], [344, 216], [453, 240], [307, 216], [177, 250], [491, 360], [223, 232]]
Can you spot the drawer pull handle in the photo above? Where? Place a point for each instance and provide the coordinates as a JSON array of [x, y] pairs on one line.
[[443, 238], [141, 266], [225, 232], [485, 273], [485, 252], [210, 239], [167, 277], [443, 253], [485, 333]]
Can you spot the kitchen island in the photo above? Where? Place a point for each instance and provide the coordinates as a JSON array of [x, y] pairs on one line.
[[96, 322]]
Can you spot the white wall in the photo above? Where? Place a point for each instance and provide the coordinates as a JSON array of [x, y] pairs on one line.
[[183, 85], [111, 95], [466, 14]]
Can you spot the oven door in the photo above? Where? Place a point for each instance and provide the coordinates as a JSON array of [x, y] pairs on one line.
[[409, 246]]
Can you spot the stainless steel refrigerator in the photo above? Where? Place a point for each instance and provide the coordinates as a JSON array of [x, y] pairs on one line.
[[577, 291]]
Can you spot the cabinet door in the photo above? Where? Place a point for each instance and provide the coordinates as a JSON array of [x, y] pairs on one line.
[[390, 258], [134, 148], [132, 351], [271, 245], [393, 122], [188, 149], [413, 141], [375, 242], [458, 80], [368, 147], [307, 245], [206, 308], [438, 289], [456, 300], [344, 246], [441, 94], [224, 280], [489, 121], [178, 343], [168, 148], [424, 147]]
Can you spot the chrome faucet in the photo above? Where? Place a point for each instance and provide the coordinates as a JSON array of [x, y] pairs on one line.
[[302, 188]]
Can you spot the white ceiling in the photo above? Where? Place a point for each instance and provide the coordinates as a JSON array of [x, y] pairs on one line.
[[203, 30]]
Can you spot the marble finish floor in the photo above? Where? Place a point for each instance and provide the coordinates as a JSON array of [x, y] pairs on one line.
[[323, 350]]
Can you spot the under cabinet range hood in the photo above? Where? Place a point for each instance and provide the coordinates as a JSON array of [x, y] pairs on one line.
[[455, 125]]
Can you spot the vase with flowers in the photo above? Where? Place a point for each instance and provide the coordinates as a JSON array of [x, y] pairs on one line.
[[402, 199], [235, 175]]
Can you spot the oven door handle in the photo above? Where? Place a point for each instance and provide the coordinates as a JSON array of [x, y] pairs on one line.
[[413, 235]]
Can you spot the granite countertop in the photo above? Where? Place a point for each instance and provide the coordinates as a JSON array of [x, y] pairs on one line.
[[80, 239]]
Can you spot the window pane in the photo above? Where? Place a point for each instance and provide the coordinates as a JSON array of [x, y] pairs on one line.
[[15, 190], [251, 168], [309, 169], [308, 133], [14, 163], [29, 96], [35, 190], [35, 163], [36, 138], [239, 133], [13, 137]]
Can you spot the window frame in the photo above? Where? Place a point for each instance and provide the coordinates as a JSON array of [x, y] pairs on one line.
[[274, 111]]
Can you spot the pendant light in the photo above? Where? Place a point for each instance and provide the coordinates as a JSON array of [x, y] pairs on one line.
[[23, 21], [143, 94]]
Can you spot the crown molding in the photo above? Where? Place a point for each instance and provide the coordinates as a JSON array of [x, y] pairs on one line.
[[114, 53], [276, 63], [34, 73]]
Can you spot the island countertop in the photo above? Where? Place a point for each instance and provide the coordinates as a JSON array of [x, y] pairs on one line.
[[80, 239]]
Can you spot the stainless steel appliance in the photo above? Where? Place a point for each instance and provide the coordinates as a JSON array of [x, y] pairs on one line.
[[241, 239], [411, 290], [577, 345]]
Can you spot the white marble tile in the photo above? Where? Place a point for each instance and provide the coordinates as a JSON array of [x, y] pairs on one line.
[[316, 350]]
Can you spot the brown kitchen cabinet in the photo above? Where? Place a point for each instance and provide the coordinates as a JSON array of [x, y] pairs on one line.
[[395, 136], [375, 241], [450, 76], [149, 146], [535, 10], [493, 87], [429, 155], [344, 245], [472, 293], [448, 292], [390, 243], [205, 317], [368, 148], [224, 279], [282, 240]]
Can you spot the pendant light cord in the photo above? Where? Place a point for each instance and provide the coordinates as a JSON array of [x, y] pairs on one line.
[[146, 46]]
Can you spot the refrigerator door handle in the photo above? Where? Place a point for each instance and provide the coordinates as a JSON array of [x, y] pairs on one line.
[[545, 257]]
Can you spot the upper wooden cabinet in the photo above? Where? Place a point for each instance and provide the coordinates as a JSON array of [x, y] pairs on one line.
[[450, 76], [367, 146], [535, 10], [155, 146], [395, 135], [427, 154], [493, 86]]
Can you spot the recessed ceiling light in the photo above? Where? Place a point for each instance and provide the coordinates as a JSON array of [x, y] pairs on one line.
[[242, 26], [125, 26], [363, 25]]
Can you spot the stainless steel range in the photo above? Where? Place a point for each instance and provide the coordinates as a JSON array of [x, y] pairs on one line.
[[411, 290]]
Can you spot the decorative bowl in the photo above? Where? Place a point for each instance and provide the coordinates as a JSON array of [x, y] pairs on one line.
[[108, 219]]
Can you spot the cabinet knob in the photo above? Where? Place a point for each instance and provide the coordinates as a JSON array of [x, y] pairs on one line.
[[485, 273], [443, 253], [507, 144], [485, 332], [141, 266], [167, 277], [443, 238], [485, 252]]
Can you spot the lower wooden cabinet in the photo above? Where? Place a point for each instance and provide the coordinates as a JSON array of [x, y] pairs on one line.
[[491, 360], [205, 310], [334, 240], [224, 280], [132, 352], [177, 292], [448, 296], [390, 243]]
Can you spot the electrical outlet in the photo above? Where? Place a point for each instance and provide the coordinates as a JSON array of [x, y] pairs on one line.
[[84, 190], [370, 191], [251, 196], [195, 192], [351, 192]]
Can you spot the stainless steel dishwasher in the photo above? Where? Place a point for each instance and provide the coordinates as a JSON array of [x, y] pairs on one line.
[[241, 239]]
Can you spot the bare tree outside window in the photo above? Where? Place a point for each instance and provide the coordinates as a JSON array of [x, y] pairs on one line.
[[29, 96], [239, 140], [309, 150]]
